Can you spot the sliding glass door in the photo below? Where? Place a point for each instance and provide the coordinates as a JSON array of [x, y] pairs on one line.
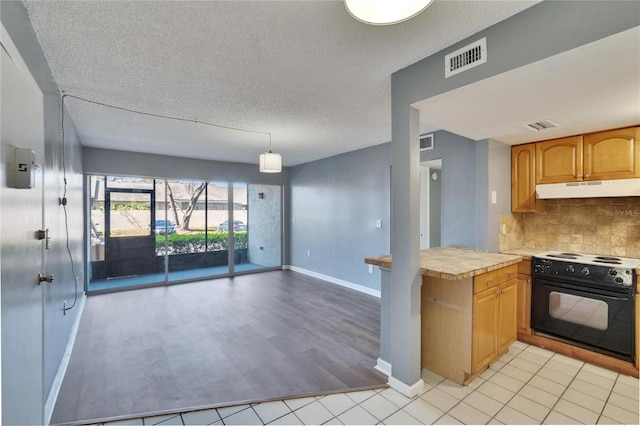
[[157, 231]]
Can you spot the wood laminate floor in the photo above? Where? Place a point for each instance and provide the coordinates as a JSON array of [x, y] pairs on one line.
[[255, 337]]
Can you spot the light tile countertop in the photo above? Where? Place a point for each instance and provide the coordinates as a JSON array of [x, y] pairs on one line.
[[454, 262], [525, 252]]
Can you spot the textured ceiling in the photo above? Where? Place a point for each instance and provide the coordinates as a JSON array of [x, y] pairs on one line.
[[305, 71]]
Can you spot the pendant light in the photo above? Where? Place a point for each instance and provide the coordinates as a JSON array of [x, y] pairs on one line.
[[385, 12], [270, 162]]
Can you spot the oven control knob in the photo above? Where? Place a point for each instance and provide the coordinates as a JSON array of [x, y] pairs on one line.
[[585, 271], [619, 280], [570, 269], [613, 272]]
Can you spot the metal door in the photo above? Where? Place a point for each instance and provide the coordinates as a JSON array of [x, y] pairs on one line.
[[22, 253]]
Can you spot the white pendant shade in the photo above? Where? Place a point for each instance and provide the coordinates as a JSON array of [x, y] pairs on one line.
[[270, 162], [385, 12]]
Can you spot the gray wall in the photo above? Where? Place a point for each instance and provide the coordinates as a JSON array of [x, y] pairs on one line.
[[335, 203], [125, 163], [458, 198], [435, 209], [57, 327]]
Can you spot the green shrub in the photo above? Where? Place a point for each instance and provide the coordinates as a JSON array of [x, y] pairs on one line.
[[195, 242]]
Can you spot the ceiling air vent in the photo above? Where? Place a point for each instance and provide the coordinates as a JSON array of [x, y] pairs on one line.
[[466, 58], [542, 125], [426, 142]]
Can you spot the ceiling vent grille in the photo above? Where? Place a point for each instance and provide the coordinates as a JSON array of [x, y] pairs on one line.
[[542, 125], [426, 142], [466, 58]]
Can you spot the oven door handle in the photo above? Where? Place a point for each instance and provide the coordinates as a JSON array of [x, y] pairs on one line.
[[611, 295]]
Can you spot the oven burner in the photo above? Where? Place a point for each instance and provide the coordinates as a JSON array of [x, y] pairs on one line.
[[608, 262], [564, 256], [608, 258]]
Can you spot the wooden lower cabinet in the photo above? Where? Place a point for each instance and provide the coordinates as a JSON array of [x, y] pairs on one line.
[[524, 297], [467, 324]]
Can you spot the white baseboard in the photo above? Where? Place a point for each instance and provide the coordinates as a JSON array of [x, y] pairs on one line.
[[409, 391], [384, 367], [333, 280], [64, 363]]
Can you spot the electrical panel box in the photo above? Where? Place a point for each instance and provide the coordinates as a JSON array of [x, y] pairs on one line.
[[25, 167]]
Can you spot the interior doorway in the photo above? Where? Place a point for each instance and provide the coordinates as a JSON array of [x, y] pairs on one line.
[[430, 203]]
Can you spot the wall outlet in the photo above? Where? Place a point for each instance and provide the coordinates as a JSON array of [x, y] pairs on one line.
[[494, 197], [379, 223], [504, 229], [308, 253], [371, 269]]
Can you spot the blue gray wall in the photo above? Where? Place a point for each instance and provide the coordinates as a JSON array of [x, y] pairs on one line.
[[458, 196], [335, 203], [57, 327], [435, 209]]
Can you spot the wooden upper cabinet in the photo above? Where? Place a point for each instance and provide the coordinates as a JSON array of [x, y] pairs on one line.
[[559, 160], [614, 154], [523, 178]]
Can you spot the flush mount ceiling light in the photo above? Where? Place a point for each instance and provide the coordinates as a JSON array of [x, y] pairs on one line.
[[270, 162], [385, 12]]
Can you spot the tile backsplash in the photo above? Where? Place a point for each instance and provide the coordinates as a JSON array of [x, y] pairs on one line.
[[605, 226]]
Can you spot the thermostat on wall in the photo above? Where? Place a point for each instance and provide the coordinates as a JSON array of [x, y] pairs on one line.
[[25, 168]]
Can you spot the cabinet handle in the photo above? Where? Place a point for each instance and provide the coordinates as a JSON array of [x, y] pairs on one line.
[[586, 176], [500, 291], [578, 176], [489, 280], [510, 273]]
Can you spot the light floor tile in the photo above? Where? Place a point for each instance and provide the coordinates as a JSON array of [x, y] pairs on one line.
[[516, 373], [339, 403], [595, 379], [495, 421], [519, 345], [568, 360], [526, 365], [533, 393], [509, 416], [469, 415], [154, 420], [555, 376], [430, 377], [244, 417], [395, 397], [584, 400], [439, 399], [126, 422], [626, 390], [607, 421], [607, 374], [379, 406], [540, 351], [624, 402], [628, 380], [269, 411], [454, 389], [423, 411], [561, 367], [296, 403], [497, 366], [507, 357], [532, 358], [590, 389], [228, 411], [202, 417], [547, 385], [530, 408], [333, 421], [484, 403], [401, 417], [360, 396], [620, 415], [289, 419], [447, 420], [314, 413], [475, 383], [357, 416], [506, 382], [575, 411], [496, 392], [486, 374], [555, 418]]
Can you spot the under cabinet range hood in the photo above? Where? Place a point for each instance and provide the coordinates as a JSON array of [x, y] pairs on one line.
[[590, 189]]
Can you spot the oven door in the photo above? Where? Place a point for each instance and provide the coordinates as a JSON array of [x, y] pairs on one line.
[[600, 320]]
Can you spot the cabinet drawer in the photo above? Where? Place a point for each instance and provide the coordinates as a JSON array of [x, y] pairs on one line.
[[490, 279], [524, 267]]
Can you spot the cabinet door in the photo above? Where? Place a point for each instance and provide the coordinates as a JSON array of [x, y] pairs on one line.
[[559, 160], [614, 154], [523, 178], [507, 315], [524, 304], [484, 328]]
